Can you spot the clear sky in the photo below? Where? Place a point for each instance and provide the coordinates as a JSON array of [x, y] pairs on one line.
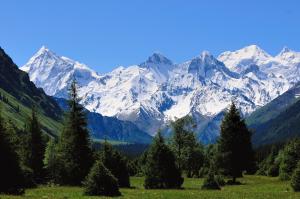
[[107, 33]]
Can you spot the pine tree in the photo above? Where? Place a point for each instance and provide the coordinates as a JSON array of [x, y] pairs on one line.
[[11, 176], [37, 147], [74, 150], [161, 171], [295, 181], [52, 164], [116, 163], [100, 181], [235, 152], [289, 159]]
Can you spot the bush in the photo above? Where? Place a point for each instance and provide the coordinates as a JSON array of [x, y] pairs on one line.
[[295, 181], [100, 181], [161, 171], [210, 182], [116, 163], [220, 180], [273, 170]]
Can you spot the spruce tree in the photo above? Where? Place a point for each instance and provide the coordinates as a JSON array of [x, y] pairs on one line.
[[11, 176], [161, 171], [289, 159], [74, 148], [235, 152], [295, 181], [100, 181], [37, 147], [52, 164], [116, 163]]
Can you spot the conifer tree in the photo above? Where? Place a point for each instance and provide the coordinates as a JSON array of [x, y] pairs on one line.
[[11, 176], [116, 163], [235, 152], [161, 171], [289, 159], [100, 181], [37, 147], [52, 164], [295, 181], [74, 150], [188, 152]]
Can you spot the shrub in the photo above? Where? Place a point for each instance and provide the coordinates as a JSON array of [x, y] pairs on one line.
[[210, 182], [161, 171], [295, 181], [100, 181]]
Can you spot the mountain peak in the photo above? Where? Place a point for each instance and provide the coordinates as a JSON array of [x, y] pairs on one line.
[[206, 55], [285, 50], [158, 58], [239, 59], [44, 51]]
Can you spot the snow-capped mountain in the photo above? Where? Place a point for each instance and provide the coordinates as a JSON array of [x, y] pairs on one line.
[[156, 91], [53, 73]]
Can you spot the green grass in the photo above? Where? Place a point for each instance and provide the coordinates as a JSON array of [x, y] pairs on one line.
[[19, 118], [253, 187]]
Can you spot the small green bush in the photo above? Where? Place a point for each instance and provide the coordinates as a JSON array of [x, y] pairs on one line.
[[210, 182], [100, 181]]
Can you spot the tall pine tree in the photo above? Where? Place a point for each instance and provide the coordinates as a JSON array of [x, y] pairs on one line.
[[116, 163], [37, 147], [11, 176], [74, 148], [235, 152], [161, 171]]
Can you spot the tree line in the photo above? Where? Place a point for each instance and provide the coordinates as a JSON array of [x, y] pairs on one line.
[[29, 157]]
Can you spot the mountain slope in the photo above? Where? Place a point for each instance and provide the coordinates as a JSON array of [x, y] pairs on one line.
[[111, 128], [19, 94], [283, 127], [271, 119]]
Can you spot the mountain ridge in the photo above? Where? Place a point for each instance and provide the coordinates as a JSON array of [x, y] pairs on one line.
[[157, 91]]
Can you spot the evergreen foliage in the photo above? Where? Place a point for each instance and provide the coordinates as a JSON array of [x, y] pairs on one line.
[[52, 164], [295, 181], [37, 147], [188, 152], [290, 157], [235, 152], [74, 150], [210, 182], [116, 163], [100, 181], [11, 176], [269, 166], [161, 171]]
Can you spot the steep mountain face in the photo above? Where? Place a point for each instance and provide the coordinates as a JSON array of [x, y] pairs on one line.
[[19, 94], [156, 91], [270, 122]]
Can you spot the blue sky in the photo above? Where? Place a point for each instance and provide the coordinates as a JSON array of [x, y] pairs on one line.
[[106, 33]]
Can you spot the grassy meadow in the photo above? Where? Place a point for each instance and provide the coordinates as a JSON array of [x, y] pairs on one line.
[[253, 187]]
